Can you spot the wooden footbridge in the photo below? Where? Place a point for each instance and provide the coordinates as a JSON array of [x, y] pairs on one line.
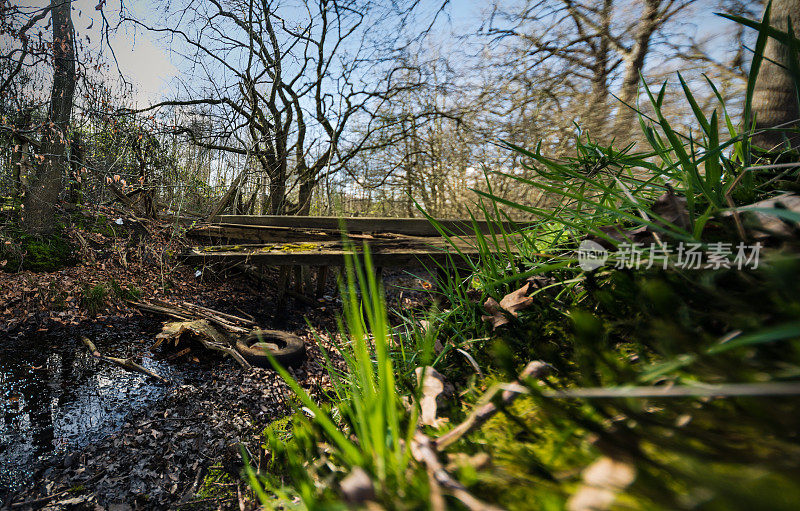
[[292, 242]]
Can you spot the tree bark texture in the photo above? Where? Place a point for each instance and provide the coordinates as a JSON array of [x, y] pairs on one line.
[[42, 196]]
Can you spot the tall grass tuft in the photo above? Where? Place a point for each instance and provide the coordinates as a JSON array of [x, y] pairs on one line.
[[364, 427]]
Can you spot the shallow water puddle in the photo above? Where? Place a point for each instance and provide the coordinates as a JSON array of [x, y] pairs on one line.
[[56, 398]]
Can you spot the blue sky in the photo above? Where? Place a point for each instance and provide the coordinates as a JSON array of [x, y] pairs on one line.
[[152, 69]]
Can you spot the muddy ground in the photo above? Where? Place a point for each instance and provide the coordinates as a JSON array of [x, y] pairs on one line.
[[152, 444]]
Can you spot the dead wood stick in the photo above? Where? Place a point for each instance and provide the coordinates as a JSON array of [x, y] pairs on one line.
[[161, 310], [251, 318], [183, 312], [41, 500], [222, 322], [423, 450], [178, 312], [215, 340], [218, 313], [124, 363], [196, 314], [479, 416]]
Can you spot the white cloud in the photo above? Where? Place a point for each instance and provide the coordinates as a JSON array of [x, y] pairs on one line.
[[145, 65]]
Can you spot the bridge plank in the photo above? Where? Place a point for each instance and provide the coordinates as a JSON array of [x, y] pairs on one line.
[[395, 252], [406, 226]]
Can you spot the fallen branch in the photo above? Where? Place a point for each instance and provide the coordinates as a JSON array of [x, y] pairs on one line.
[[210, 337], [221, 314], [423, 449], [478, 417], [190, 312], [42, 500], [124, 363], [160, 310]]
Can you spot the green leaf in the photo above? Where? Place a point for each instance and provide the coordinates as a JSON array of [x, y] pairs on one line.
[[778, 333]]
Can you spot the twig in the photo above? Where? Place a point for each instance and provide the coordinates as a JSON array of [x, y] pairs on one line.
[[424, 451], [124, 363], [251, 318], [218, 313], [40, 500], [160, 310], [191, 312]]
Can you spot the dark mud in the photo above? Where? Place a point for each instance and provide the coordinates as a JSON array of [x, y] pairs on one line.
[[78, 433], [56, 398], [106, 436]]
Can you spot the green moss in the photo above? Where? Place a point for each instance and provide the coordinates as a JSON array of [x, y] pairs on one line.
[[36, 253], [297, 247], [217, 483], [283, 247], [222, 248], [280, 428]]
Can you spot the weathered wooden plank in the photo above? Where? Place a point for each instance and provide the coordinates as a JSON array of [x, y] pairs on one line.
[[407, 226], [264, 234], [328, 258], [260, 233], [388, 253]]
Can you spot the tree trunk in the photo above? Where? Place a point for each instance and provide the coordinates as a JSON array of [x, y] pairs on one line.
[[597, 113], [229, 195], [277, 195], [20, 156], [18, 151], [42, 196], [774, 98], [648, 24], [305, 193]]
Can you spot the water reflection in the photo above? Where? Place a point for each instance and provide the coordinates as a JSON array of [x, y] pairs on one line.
[[54, 397]]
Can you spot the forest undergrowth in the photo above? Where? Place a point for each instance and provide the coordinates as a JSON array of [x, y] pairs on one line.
[[636, 349]]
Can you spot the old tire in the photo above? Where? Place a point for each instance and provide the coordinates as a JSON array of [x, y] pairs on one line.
[[290, 350]]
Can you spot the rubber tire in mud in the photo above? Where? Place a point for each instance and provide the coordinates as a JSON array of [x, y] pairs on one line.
[[291, 350]]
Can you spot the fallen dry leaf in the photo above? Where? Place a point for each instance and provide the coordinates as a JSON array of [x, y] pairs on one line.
[[434, 388], [511, 303], [518, 300], [496, 316]]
